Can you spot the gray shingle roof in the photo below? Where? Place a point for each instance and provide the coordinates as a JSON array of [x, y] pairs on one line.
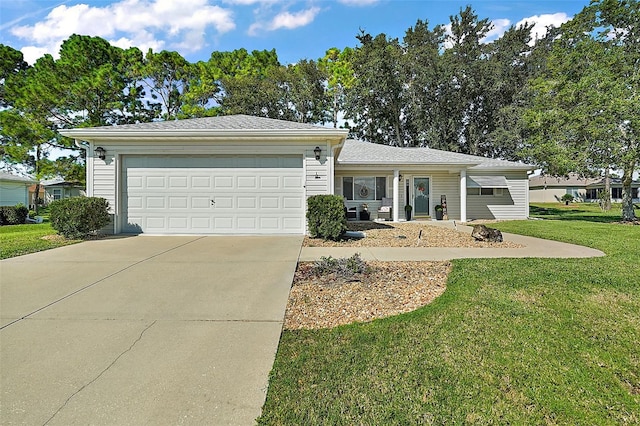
[[357, 152], [15, 178], [561, 181], [208, 127], [225, 122]]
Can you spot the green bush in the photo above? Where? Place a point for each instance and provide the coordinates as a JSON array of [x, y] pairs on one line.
[[78, 217], [326, 217], [13, 215]]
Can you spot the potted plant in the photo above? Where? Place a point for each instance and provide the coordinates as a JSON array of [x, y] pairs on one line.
[[364, 213], [407, 211], [439, 210], [567, 198]]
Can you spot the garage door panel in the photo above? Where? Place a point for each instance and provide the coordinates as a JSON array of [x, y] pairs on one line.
[[155, 202], [165, 195], [246, 202], [294, 203], [269, 202], [156, 182], [178, 222], [178, 182], [246, 182], [201, 223], [292, 182], [223, 182]]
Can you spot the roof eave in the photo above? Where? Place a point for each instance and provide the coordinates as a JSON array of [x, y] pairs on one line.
[[104, 134]]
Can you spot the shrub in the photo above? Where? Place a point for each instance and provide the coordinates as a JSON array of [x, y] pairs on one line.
[[567, 198], [346, 267], [13, 215], [78, 217], [326, 217]]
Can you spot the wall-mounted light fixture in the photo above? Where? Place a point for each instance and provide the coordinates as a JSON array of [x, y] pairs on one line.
[[100, 152], [317, 152]]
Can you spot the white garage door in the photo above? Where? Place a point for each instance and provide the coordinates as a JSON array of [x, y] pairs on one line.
[[213, 194]]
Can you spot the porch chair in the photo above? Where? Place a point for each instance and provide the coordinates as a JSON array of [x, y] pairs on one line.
[[350, 213], [385, 211]]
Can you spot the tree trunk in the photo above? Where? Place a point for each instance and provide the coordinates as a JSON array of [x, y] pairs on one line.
[[606, 205], [628, 215], [36, 198]]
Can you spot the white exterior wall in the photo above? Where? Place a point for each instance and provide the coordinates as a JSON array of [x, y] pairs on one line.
[[446, 184], [12, 193], [317, 172], [104, 180], [512, 204]]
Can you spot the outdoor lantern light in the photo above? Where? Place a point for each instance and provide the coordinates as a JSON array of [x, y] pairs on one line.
[[317, 152], [100, 152]]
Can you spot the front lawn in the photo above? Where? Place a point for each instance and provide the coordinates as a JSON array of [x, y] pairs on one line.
[[511, 341], [16, 240]]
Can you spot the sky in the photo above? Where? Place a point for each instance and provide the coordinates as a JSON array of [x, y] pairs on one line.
[[296, 29]]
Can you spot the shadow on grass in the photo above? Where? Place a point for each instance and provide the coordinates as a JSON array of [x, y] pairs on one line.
[[573, 214]]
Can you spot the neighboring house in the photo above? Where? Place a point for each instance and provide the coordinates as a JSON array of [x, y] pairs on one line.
[[57, 189], [594, 188], [250, 175], [14, 189], [550, 189]]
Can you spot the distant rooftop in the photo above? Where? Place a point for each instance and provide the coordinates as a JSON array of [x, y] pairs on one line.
[[15, 178]]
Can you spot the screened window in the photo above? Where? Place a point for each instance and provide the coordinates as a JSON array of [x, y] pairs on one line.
[[485, 191], [364, 188], [616, 192], [57, 193]]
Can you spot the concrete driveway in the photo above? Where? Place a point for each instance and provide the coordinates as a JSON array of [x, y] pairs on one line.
[[143, 330]]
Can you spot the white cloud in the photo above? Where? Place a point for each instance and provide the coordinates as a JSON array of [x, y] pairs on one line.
[[286, 20], [541, 22], [499, 27], [358, 2], [140, 22]]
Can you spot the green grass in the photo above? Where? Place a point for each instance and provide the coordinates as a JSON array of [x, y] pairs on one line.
[[511, 341], [577, 211], [16, 240]]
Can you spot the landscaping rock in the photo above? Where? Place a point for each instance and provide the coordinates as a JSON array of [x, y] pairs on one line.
[[482, 233]]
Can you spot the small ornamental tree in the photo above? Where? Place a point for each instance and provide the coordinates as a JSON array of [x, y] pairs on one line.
[[326, 217], [79, 217]]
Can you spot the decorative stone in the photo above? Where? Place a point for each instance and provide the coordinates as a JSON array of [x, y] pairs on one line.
[[482, 233]]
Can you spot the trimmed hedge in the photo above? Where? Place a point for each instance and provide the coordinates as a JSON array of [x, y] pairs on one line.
[[326, 217], [13, 215], [79, 217]]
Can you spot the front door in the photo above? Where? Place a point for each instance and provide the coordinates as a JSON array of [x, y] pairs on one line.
[[421, 196]]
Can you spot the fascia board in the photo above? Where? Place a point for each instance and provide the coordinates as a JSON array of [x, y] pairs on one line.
[[93, 135], [404, 164]]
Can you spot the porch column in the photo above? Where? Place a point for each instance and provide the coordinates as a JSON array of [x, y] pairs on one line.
[[396, 202], [463, 195]]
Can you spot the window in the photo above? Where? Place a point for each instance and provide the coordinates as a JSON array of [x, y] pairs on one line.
[[592, 194], [574, 192], [57, 193], [616, 193], [365, 188], [497, 192]]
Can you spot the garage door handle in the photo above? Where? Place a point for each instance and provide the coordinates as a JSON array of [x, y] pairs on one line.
[[213, 203]]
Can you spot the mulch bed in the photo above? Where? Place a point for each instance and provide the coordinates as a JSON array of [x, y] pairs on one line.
[[388, 288], [410, 234]]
